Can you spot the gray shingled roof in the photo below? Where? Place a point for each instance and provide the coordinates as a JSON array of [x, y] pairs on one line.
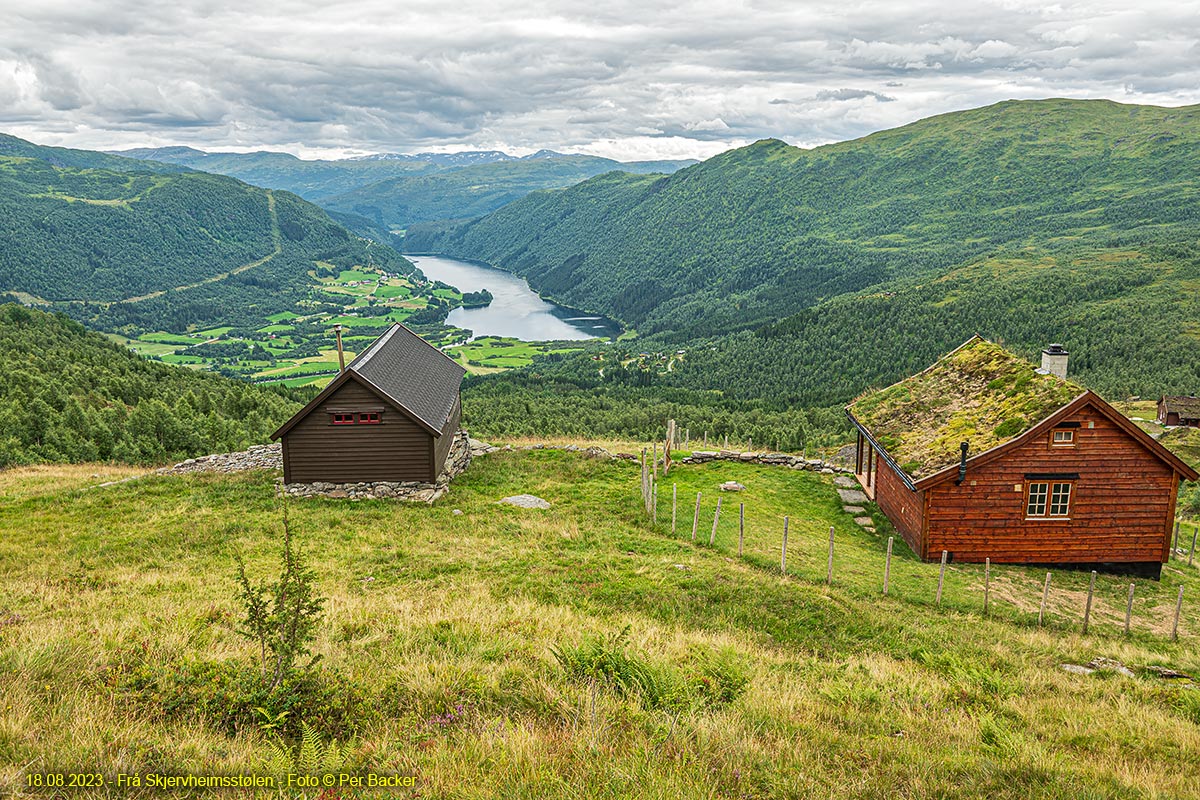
[[412, 373]]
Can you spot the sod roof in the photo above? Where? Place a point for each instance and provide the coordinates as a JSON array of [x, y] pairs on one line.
[[980, 393], [1186, 407]]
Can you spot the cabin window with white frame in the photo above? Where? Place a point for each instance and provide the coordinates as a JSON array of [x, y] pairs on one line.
[[1048, 499], [1062, 437]]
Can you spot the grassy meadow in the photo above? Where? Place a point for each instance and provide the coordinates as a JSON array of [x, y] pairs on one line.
[[576, 652]]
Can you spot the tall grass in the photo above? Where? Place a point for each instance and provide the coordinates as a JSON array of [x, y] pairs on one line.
[[681, 671]]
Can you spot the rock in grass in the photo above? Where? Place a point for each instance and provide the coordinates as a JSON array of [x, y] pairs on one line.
[[732, 486], [525, 501], [1076, 669], [845, 481], [852, 497], [856, 510]]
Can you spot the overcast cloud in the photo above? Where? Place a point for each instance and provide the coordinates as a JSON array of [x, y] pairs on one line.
[[617, 78]]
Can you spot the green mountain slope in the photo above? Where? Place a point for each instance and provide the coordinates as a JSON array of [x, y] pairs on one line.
[[476, 190], [163, 250], [12, 147], [760, 233], [67, 394]]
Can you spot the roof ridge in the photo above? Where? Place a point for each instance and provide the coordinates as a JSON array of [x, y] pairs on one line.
[[365, 356]]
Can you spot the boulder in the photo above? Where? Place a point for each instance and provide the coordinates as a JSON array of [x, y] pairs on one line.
[[852, 497], [732, 486], [524, 501], [864, 521]]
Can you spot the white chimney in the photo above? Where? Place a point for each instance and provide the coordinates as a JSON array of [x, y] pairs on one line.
[[1054, 360]]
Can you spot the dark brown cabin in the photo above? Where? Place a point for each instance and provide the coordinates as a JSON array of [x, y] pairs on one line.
[[983, 456], [1179, 411], [390, 415]]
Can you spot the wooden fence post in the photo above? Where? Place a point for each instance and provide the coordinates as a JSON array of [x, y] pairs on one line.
[[941, 577], [829, 565], [643, 476], [1045, 595], [887, 567], [1129, 609], [654, 460], [750, 444], [1087, 609], [674, 504], [654, 502], [726, 446], [741, 527], [696, 517], [706, 440], [1178, 608], [712, 537], [1192, 552], [687, 437], [783, 551], [1174, 542], [987, 584]]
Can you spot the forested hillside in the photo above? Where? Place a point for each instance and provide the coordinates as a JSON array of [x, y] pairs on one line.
[[13, 147], [760, 233], [162, 251], [67, 394]]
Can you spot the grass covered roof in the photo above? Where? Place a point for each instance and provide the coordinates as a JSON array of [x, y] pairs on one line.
[[979, 393]]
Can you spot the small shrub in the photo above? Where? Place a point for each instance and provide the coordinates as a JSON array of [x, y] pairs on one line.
[[281, 618]]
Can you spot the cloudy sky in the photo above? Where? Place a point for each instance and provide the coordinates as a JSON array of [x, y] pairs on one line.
[[617, 78]]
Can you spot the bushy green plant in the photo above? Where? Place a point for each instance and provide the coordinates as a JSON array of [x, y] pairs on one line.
[[232, 697], [281, 617], [714, 679]]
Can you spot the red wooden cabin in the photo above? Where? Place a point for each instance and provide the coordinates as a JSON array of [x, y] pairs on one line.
[[984, 456]]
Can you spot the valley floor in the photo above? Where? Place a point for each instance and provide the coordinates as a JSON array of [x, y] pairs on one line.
[[451, 645]]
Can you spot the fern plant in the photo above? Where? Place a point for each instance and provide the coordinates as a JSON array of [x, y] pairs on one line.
[[309, 756]]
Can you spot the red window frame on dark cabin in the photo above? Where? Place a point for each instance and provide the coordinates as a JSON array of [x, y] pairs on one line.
[[341, 418], [369, 418]]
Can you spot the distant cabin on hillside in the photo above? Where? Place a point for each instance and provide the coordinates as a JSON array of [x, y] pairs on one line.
[[984, 456], [390, 415], [1179, 411]]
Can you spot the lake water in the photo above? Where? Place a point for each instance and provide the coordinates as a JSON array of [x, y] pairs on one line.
[[516, 311]]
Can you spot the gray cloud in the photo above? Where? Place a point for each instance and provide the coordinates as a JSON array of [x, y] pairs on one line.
[[627, 80]]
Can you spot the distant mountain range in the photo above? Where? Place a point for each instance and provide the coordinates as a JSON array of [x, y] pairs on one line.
[[391, 191]]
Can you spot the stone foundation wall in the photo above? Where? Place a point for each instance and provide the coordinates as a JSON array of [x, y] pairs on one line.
[[462, 450]]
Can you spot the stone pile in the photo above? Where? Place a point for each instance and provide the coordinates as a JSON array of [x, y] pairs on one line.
[[771, 459], [259, 456]]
